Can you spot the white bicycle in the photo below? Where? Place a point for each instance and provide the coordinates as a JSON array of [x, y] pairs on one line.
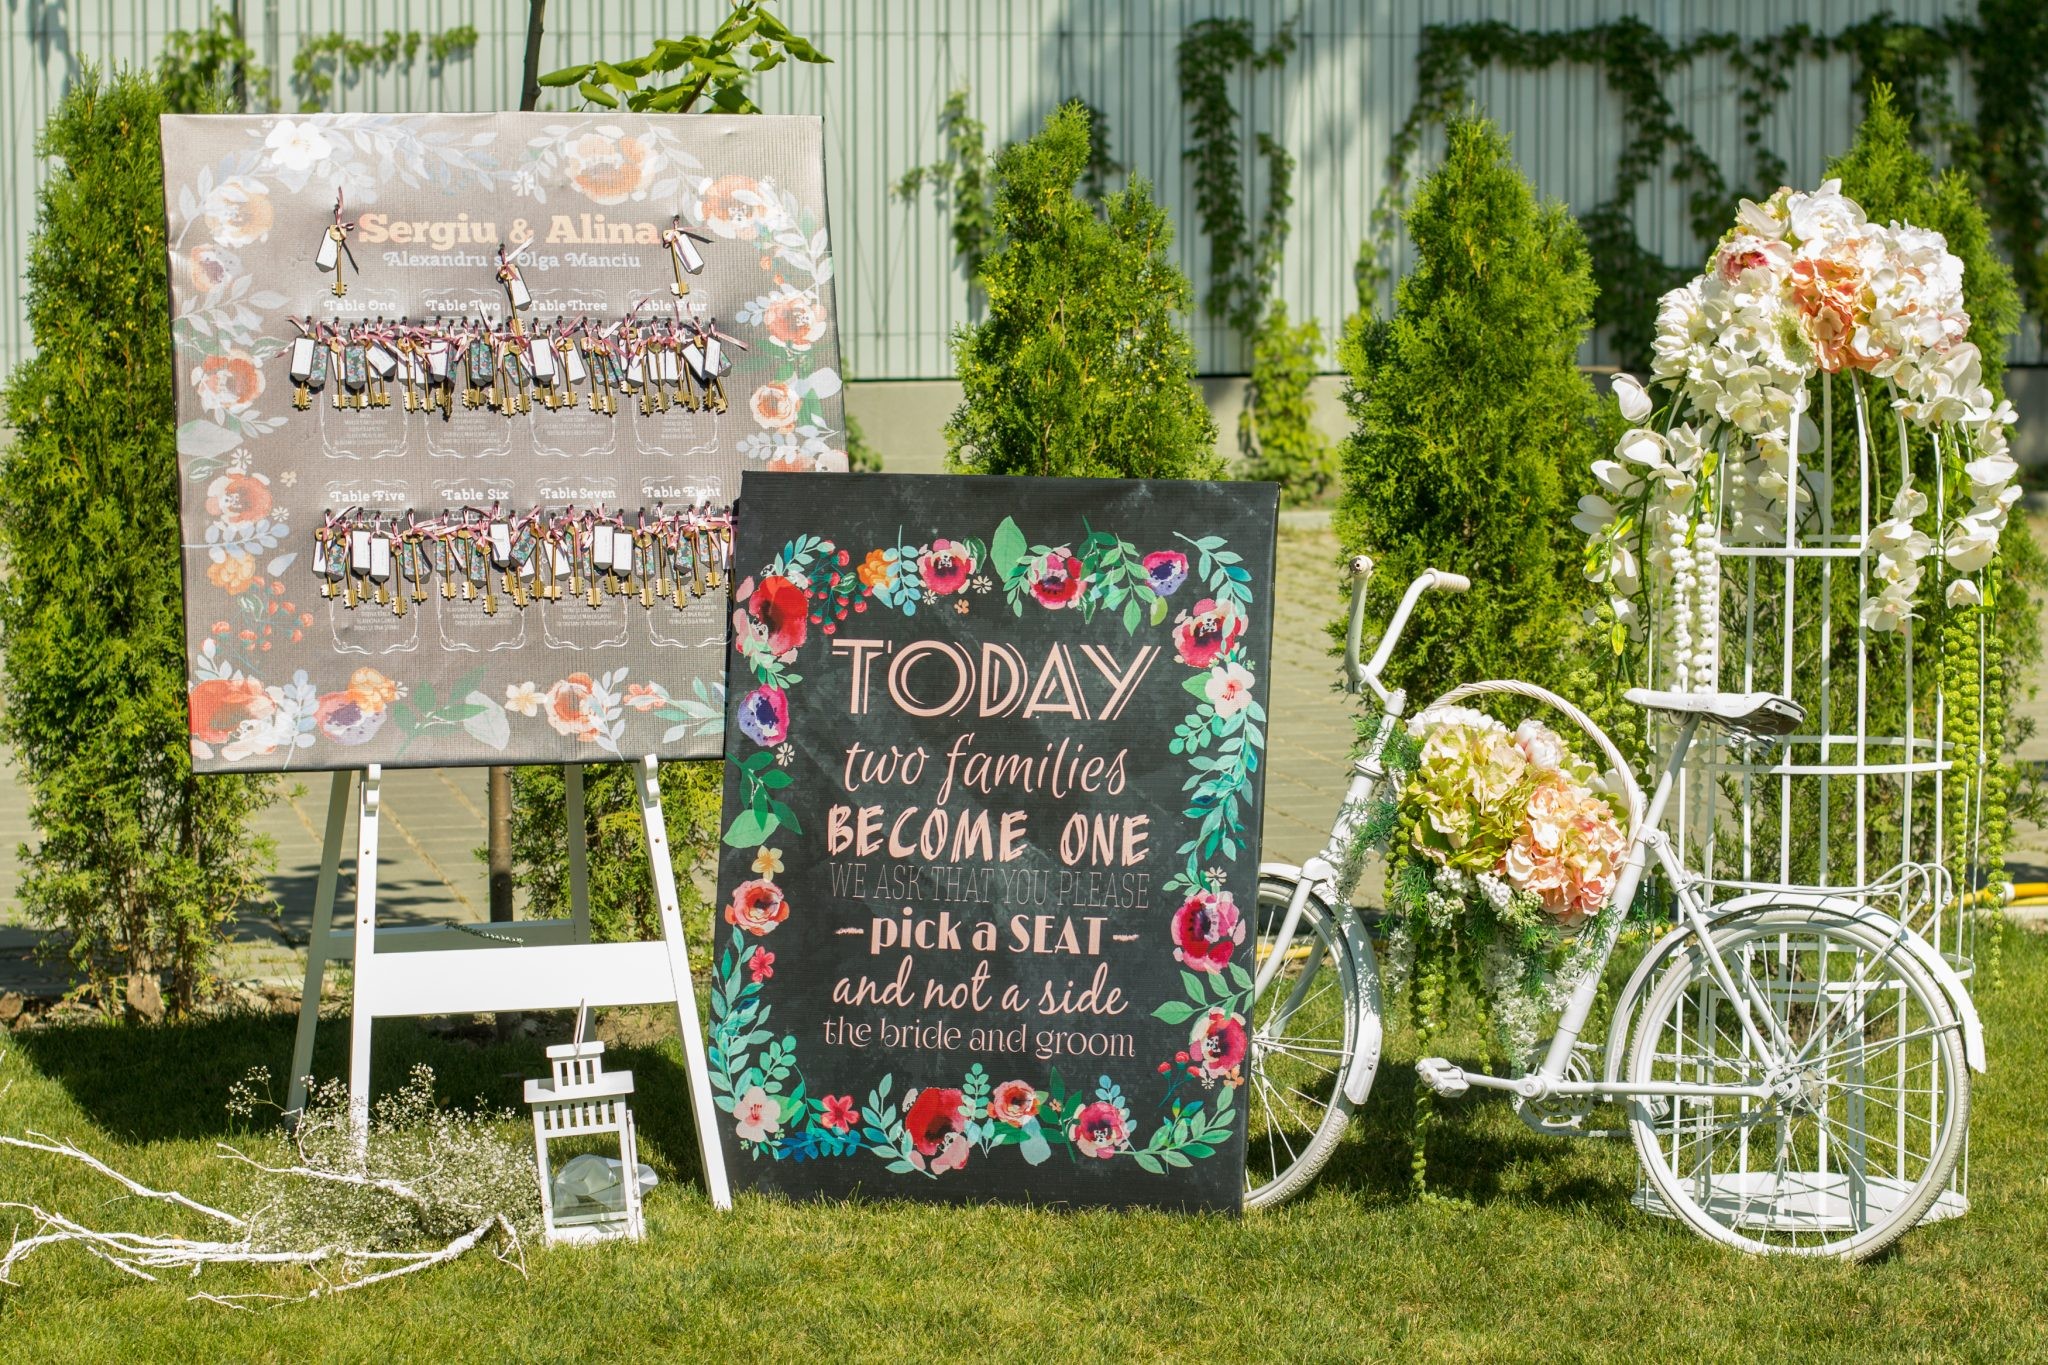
[[1794, 1067]]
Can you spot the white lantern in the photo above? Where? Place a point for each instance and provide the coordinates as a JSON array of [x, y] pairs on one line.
[[582, 1099]]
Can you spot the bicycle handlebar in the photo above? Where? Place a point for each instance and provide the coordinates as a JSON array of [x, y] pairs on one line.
[[1359, 675]]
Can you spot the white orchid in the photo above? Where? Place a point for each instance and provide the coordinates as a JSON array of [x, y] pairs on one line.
[[1972, 542], [1643, 446], [1617, 478], [1989, 474], [1595, 515], [1801, 281], [1888, 610], [1685, 447], [1634, 398], [1624, 575], [1766, 219]]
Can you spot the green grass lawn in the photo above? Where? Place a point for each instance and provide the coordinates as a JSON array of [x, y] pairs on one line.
[[1539, 1257]]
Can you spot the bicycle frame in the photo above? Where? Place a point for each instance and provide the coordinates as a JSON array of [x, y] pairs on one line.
[[1649, 841], [1318, 877]]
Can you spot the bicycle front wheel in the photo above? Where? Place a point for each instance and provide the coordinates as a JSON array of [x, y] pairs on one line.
[[1308, 1034], [1869, 1087]]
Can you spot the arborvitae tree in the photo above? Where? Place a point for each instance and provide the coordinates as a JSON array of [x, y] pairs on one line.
[[1472, 422], [1893, 181], [1080, 366], [140, 864], [1276, 431]]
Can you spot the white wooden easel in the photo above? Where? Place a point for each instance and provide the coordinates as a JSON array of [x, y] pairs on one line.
[[411, 970]]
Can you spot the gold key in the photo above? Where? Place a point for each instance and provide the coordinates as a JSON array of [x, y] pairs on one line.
[[340, 239]]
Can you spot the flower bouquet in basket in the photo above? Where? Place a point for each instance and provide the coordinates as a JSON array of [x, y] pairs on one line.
[[1503, 848]]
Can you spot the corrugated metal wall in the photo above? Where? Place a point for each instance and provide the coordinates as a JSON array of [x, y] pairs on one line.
[[1336, 105]]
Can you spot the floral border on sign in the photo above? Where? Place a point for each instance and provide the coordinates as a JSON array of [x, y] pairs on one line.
[[938, 1127]]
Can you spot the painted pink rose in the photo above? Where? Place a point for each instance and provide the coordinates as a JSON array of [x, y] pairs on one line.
[[238, 498], [1207, 633], [775, 406], [571, 709], [1014, 1103], [739, 208], [607, 170], [1057, 579], [1217, 1046], [228, 383], [795, 319], [945, 566], [952, 1154], [1098, 1130], [757, 907], [1205, 930]]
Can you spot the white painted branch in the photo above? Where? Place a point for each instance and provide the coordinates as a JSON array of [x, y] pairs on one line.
[[65, 1149], [396, 1188], [455, 1250]]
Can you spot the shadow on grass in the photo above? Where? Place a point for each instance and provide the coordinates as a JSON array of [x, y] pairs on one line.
[[1477, 1151], [170, 1082]]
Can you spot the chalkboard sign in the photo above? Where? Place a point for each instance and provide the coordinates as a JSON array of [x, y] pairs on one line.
[[994, 757]]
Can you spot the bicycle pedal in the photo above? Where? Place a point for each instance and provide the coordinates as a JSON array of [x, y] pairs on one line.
[[1439, 1075]]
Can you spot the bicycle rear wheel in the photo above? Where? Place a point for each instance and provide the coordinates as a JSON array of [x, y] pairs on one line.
[[1308, 1035], [1870, 1087]]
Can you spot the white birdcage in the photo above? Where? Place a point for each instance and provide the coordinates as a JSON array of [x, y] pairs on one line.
[[1863, 801], [1747, 548], [582, 1099], [1872, 801]]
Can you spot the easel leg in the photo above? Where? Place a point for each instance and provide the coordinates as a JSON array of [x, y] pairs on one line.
[[321, 945], [702, 1108], [365, 952], [579, 853], [579, 870]]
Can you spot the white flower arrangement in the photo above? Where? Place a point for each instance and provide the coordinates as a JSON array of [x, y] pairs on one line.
[[1802, 284]]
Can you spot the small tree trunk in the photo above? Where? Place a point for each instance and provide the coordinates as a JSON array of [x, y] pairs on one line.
[[241, 67], [529, 85], [498, 855]]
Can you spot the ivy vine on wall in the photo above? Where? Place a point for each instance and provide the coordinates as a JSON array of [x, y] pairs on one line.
[[2004, 49], [1276, 432], [218, 56], [959, 179]]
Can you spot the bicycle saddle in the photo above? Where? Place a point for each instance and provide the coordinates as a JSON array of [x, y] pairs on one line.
[[1763, 715]]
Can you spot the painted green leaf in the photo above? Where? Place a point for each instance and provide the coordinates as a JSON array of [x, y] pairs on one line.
[[749, 830], [1006, 550]]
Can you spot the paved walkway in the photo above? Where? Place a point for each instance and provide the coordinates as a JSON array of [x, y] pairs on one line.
[[434, 818]]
